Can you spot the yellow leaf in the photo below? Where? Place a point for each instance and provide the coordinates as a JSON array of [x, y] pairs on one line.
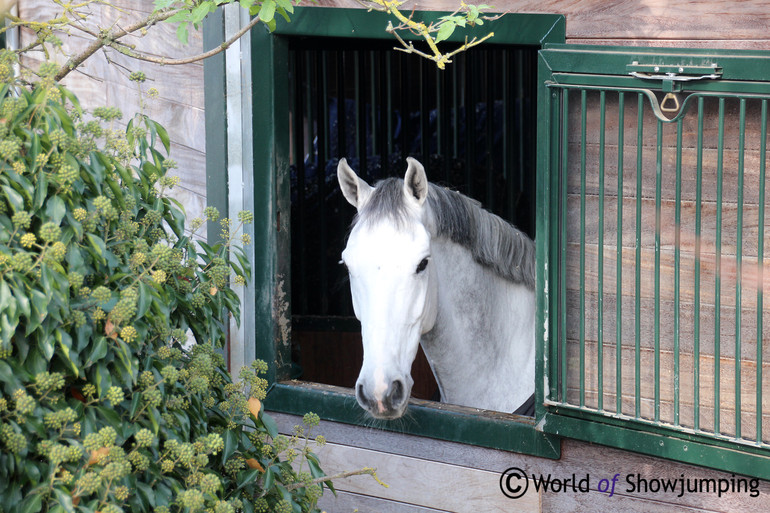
[[252, 463], [213, 291], [254, 406], [97, 455], [109, 330]]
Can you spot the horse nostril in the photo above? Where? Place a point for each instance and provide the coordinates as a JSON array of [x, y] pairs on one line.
[[361, 396], [396, 395]]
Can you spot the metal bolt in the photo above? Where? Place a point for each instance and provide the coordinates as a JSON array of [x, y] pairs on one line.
[[657, 68], [681, 70]]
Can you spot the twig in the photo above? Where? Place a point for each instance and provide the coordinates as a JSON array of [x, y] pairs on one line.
[[106, 38], [364, 471], [129, 51]]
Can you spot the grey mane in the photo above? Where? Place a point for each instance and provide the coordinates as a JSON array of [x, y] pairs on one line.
[[492, 241]]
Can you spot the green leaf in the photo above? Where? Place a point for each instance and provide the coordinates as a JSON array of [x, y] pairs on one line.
[[231, 444], [98, 244], [163, 134], [201, 11], [145, 300], [445, 31], [6, 298], [98, 350], [41, 189], [182, 33], [47, 346], [280, 10], [103, 379], [286, 5], [269, 478], [32, 504], [22, 302], [163, 4], [6, 373], [270, 425], [267, 11], [65, 500], [14, 198], [247, 478], [65, 344]]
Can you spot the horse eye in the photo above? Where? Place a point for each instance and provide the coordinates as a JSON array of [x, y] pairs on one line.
[[422, 265]]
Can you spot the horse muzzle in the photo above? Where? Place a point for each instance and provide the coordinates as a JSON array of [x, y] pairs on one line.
[[383, 402]]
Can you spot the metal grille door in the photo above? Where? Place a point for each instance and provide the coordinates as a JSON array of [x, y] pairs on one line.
[[657, 207]]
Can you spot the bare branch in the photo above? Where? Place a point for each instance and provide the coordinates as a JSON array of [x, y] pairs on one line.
[[109, 37], [364, 471], [129, 51]]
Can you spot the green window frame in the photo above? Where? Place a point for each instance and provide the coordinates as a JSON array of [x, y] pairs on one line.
[[569, 76], [271, 236]]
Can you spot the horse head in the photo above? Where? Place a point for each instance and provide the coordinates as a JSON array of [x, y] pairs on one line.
[[392, 282]]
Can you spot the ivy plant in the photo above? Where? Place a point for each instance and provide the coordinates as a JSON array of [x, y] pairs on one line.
[[106, 404]]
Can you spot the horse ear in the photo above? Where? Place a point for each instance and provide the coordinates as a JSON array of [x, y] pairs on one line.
[[415, 181], [353, 188]]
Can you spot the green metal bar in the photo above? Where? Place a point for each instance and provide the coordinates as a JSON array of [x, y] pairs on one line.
[[760, 264], [583, 113], [214, 86], [450, 423], [563, 245], [677, 255], [696, 320], [656, 320], [619, 264], [718, 262], [750, 460], [600, 264], [638, 261], [739, 264], [271, 157], [545, 246]]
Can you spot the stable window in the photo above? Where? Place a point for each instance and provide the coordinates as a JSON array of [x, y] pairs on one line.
[[653, 166], [329, 85]]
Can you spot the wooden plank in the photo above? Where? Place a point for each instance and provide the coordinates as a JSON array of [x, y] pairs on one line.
[[668, 174], [630, 20], [593, 502], [752, 279], [441, 486], [646, 323], [721, 44], [580, 458], [346, 501], [160, 40], [686, 383], [668, 235]]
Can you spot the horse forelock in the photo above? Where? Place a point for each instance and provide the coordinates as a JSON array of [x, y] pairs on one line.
[[493, 242]]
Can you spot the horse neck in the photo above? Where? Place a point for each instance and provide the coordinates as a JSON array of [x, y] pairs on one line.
[[482, 345]]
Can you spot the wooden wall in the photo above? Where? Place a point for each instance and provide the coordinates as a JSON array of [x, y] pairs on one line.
[[428, 475], [693, 23], [179, 105]]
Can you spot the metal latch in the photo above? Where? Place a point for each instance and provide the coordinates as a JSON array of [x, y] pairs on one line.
[[672, 75]]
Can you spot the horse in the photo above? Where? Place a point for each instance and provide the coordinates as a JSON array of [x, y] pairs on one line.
[[430, 266]]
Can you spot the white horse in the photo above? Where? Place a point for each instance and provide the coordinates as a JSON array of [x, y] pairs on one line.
[[430, 266]]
